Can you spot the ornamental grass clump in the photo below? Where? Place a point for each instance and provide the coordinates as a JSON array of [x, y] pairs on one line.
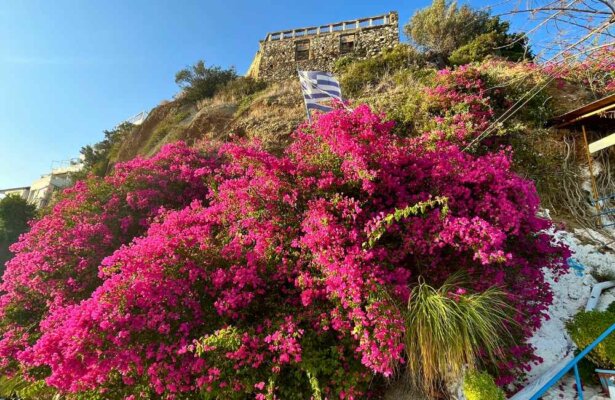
[[449, 330]]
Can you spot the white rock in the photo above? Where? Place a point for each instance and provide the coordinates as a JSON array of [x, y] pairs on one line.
[[570, 296]]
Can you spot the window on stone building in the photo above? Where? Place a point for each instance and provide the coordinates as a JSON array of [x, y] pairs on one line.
[[347, 43], [302, 50]]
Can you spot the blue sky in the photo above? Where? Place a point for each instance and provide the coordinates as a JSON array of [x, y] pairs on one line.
[[70, 69]]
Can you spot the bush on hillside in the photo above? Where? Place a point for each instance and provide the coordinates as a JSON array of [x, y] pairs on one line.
[[480, 386], [200, 82], [57, 263], [285, 275], [585, 327], [485, 45], [356, 74], [15, 213], [459, 104], [596, 72], [97, 157], [240, 88]]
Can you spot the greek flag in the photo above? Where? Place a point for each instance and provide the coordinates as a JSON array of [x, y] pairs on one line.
[[318, 86]]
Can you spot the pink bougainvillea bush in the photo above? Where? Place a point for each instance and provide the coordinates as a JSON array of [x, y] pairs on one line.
[[57, 262], [464, 102], [596, 72], [261, 276]]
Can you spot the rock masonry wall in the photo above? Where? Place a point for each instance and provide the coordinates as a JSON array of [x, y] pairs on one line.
[[282, 53]]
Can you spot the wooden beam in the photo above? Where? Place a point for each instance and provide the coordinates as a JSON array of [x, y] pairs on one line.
[[602, 143], [599, 106], [587, 115]]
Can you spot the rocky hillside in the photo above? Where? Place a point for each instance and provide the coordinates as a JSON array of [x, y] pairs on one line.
[[268, 116]]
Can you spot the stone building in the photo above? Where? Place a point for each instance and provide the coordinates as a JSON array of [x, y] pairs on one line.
[[282, 53]]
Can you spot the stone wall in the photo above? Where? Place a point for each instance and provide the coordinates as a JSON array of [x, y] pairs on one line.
[[281, 54]]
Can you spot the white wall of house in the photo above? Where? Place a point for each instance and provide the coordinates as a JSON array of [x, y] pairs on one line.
[[23, 192], [42, 189]]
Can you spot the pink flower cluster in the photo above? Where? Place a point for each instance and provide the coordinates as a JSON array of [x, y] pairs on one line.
[[461, 106], [595, 72], [247, 272], [58, 263]]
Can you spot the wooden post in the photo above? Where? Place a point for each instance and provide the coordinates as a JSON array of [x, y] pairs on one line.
[[591, 171]]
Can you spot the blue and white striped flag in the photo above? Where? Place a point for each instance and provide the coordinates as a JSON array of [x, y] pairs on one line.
[[318, 86]]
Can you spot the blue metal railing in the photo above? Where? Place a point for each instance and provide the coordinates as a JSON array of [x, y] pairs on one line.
[[573, 364]]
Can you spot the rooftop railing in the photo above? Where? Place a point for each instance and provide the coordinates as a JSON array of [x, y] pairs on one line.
[[379, 20]]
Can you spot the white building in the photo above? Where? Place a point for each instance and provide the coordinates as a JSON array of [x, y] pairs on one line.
[[23, 192], [41, 190]]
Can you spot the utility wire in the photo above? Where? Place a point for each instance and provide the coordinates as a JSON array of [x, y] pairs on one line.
[[532, 92]]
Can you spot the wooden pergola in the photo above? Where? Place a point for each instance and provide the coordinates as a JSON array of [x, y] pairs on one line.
[[598, 115]]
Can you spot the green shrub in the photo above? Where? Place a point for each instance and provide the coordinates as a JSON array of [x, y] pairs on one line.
[[496, 42], [474, 51], [480, 386], [405, 99], [585, 327], [355, 75], [15, 212], [201, 82], [96, 158], [342, 63], [19, 388], [240, 88]]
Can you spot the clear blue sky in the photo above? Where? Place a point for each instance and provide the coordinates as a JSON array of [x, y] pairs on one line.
[[70, 69]]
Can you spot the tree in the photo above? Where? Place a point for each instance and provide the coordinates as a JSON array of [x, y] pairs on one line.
[[496, 41], [15, 212], [98, 156], [201, 82], [452, 34]]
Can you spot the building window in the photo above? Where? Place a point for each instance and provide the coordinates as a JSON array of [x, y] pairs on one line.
[[302, 50], [347, 43]]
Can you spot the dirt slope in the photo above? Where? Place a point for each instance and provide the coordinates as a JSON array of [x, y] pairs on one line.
[[269, 116]]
